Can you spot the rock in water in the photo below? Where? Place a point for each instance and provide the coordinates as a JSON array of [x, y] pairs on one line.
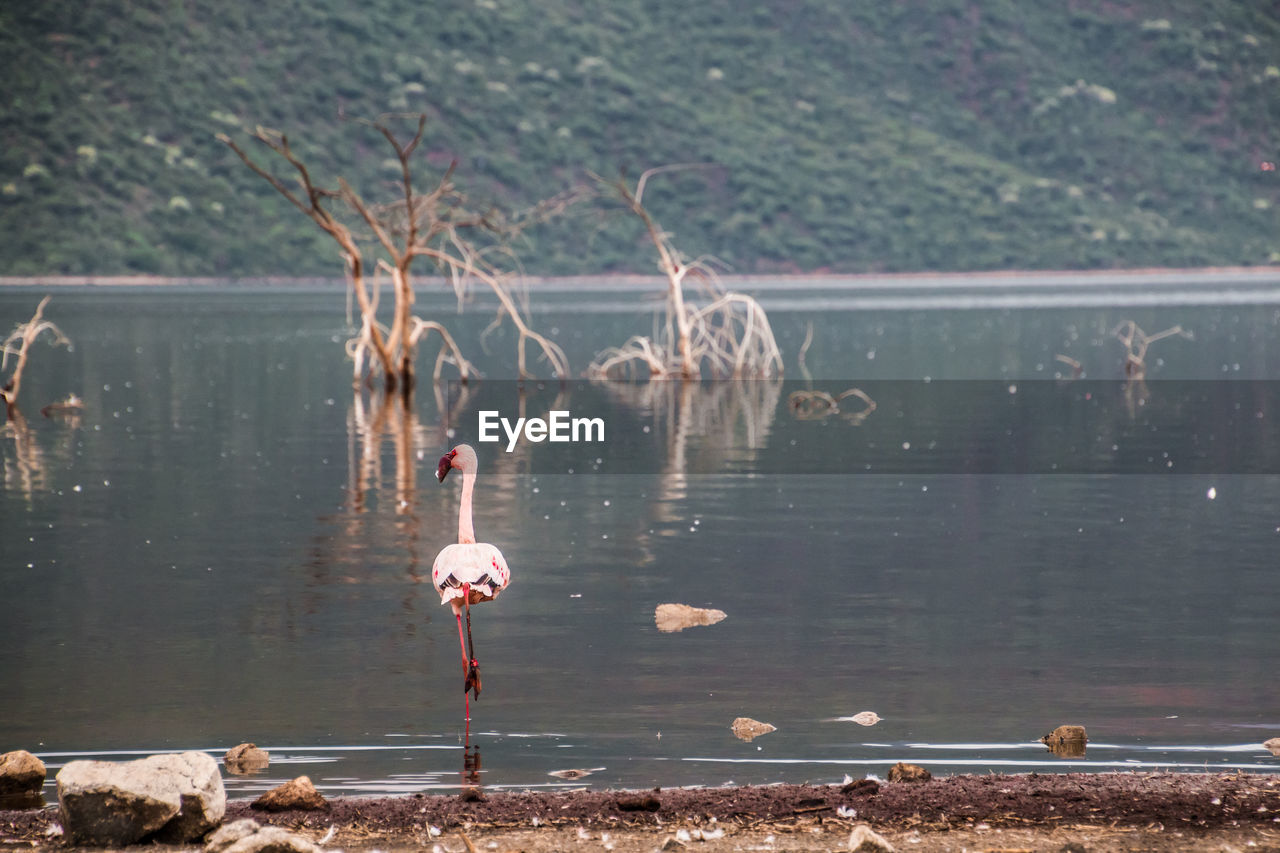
[[246, 758], [1066, 741], [904, 772], [21, 774], [176, 797], [297, 794], [745, 728], [677, 617]]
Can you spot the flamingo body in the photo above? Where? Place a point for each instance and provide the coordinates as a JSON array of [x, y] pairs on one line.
[[476, 566], [468, 572]]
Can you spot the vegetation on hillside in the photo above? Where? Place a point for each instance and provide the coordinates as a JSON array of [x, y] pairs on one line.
[[945, 135]]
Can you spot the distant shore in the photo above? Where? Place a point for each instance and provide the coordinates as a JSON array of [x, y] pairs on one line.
[[1147, 277]]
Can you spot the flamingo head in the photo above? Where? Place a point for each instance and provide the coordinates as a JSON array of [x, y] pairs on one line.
[[446, 464], [461, 457]]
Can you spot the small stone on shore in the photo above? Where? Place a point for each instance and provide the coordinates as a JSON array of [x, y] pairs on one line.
[[861, 787], [646, 803], [20, 773], [904, 772], [295, 795]]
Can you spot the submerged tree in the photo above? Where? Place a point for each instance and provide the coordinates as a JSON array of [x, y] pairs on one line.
[[1136, 342], [18, 345], [727, 335], [465, 245]]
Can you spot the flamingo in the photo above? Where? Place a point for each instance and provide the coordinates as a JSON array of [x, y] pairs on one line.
[[469, 572]]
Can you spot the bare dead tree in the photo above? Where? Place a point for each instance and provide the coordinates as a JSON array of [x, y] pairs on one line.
[[18, 345], [1136, 342], [440, 225], [729, 333]]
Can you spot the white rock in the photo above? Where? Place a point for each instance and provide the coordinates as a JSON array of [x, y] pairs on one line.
[[865, 840], [246, 836], [199, 784], [229, 833], [108, 803], [177, 797]]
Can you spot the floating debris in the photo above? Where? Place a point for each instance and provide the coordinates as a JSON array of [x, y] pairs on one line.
[[745, 728], [1077, 369], [575, 773], [69, 406], [819, 405], [676, 617], [295, 795], [1066, 741], [862, 718]]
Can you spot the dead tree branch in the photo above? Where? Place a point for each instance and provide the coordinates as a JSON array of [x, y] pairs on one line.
[[439, 225], [18, 344], [1136, 342], [729, 336]]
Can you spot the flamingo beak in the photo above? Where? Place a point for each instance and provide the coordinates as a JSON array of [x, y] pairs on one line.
[[446, 463]]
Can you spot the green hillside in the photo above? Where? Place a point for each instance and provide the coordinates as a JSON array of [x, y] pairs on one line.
[[846, 136]]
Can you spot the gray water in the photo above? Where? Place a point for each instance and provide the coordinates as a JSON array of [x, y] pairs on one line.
[[227, 545]]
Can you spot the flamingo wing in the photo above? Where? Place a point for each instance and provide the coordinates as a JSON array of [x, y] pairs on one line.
[[478, 565]]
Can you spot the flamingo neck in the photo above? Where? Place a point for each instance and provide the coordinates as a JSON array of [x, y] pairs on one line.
[[466, 532]]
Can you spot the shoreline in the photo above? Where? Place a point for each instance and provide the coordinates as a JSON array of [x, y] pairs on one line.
[[1147, 277], [1106, 811]]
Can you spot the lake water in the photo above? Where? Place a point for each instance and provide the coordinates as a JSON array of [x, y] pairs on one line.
[[226, 545]]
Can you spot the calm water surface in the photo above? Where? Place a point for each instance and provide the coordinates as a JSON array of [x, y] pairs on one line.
[[226, 546]]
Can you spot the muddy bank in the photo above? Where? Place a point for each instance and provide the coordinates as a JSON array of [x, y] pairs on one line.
[[1111, 798], [1099, 811]]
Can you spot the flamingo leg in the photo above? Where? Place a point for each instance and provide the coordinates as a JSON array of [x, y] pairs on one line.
[[462, 642], [473, 670], [457, 612]]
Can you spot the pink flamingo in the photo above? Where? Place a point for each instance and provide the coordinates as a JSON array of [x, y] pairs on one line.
[[469, 572]]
